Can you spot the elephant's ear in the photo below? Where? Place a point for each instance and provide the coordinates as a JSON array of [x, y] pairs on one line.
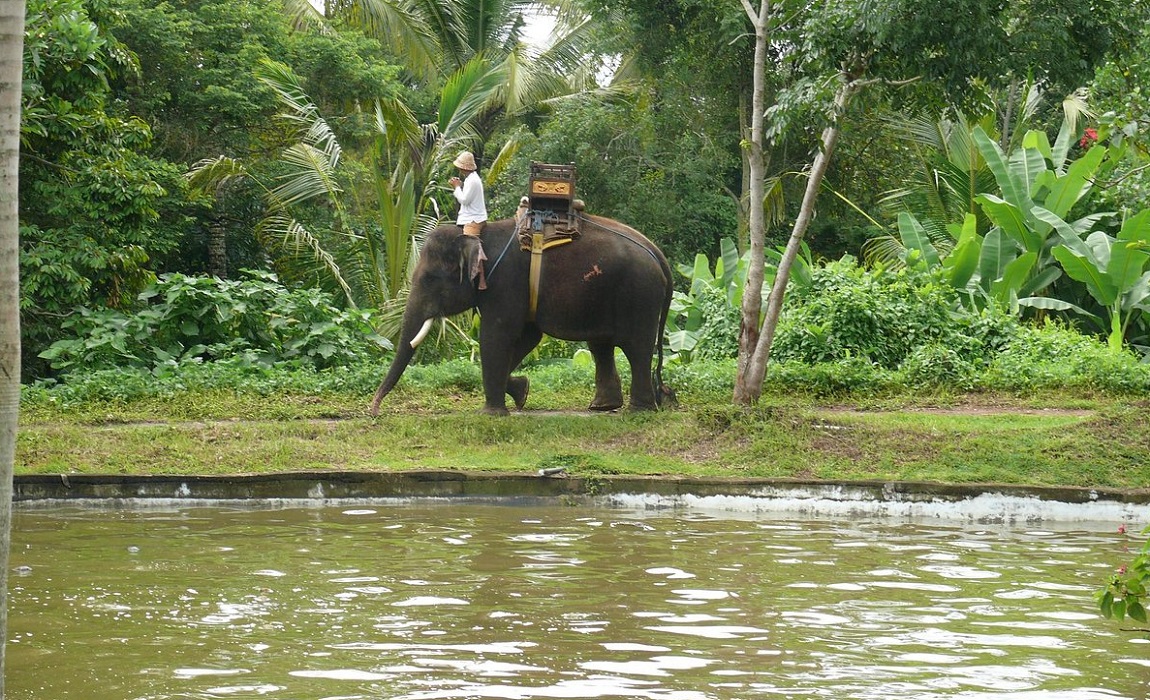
[[472, 260]]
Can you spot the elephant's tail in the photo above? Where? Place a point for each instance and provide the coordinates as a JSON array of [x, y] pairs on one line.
[[664, 395]]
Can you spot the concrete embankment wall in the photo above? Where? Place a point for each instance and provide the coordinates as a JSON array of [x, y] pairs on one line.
[[965, 502]]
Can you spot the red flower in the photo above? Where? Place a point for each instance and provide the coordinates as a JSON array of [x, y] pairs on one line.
[[1088, 137], [1122, 529]]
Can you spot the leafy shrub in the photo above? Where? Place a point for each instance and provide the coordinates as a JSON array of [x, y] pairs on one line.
[[195, 319], [848, 311], [850, 375], [938, 365], [1055, 356]]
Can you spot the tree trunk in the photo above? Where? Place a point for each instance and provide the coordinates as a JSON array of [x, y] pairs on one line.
[[749, 383], [11, 74], [217, 248], [756, 223]]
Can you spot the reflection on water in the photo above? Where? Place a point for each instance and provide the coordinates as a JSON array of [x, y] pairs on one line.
[[481, 601]]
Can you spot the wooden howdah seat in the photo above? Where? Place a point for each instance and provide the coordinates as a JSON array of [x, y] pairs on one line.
[[548, 216], [550, 207]]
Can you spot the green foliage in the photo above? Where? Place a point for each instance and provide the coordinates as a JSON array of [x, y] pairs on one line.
[[1055, 356], [851, 375], [96, 209], [662, 173], [849, 311], [704, 321], [1114, 271], [1125, 595], [196, 319]]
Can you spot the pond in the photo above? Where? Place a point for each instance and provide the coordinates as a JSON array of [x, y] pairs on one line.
[[470, 600]]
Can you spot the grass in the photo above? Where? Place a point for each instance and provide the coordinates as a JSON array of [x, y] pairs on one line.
[[1046, 440]]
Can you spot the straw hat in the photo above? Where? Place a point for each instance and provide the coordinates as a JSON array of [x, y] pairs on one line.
[[465, 161]]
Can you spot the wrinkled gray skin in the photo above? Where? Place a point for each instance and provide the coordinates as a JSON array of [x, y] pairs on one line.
[[611, 287]]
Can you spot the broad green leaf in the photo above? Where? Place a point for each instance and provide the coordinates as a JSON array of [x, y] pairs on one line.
[[682, 341], [1013, 190], [728, 261], [1136, 228], [1138, 295], [1037, 140], [963, 260], [1067, 190], [1041, 281], [914, 238], [1065, 232], [1027, 163], [1098, 246], [1062, 144], [1013, 276], [1127, 261], [1049, 304], [1083, 269], [996, 254], [1011, 220]]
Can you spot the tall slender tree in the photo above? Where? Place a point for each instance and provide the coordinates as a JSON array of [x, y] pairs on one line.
[[11, 72]]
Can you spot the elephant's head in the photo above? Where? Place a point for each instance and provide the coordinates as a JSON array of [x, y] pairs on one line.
[[442, 284]]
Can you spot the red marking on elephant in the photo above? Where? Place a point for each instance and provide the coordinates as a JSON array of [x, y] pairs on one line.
[[593, 273]]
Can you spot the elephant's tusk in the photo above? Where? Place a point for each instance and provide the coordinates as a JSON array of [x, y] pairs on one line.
[[422, 333]]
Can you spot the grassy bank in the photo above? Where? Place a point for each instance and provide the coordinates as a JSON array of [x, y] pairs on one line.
[[1054, 438]]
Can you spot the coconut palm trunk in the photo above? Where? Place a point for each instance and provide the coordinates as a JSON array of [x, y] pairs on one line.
[[11, 74]]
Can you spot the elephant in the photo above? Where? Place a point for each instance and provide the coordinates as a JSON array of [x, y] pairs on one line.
[[610, 287]]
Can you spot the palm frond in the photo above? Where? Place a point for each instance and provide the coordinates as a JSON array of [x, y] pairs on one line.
[[304, 14], [210, 174], [506, 154], [312, 175], [887, 251], [403, 27], [279, 232], [466, 94], [311, 127]]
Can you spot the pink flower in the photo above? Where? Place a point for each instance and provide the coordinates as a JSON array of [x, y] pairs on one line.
[[1122, 570], [1088, 137], [1122, 529]]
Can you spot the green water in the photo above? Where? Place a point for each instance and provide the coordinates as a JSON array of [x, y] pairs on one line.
[[484, 601]]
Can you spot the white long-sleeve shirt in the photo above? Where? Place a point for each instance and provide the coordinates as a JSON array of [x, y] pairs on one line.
[[472, 206]]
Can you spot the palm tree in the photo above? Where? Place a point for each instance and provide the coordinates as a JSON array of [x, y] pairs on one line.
[[11, 75], [368, 263], [441, 37]]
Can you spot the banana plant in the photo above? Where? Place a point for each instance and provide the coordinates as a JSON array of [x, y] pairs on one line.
[[1114, 271], [1039, 187]]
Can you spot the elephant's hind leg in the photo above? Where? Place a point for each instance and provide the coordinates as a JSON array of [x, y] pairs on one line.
[[642, 385], [608, 387]]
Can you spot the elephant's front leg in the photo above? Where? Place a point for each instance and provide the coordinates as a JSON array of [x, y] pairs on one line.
[[519, 387], [499, 347], [608, 387]]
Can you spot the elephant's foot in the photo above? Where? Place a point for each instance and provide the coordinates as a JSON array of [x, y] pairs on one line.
[[494, 411], [608, 395], [517, 389], [606, 405]]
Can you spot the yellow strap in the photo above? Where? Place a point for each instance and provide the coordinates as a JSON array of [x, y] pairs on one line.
[[536, 266]]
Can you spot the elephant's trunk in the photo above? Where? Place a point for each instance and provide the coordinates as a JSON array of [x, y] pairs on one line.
[[403, 354]]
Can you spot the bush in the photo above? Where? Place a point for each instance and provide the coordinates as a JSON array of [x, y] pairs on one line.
[[1055, 356], [201, 319], [851, 375], [848, 311]]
